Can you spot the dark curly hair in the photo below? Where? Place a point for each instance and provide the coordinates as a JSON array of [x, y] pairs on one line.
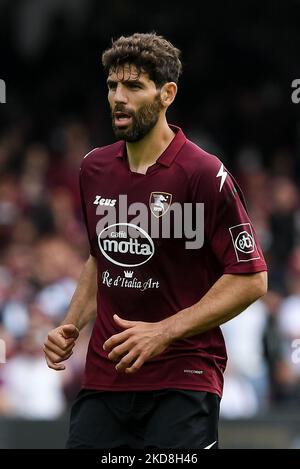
[[149, 52]]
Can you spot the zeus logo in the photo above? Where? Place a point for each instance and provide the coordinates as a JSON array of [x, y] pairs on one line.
[[223, 175], [102, 201]]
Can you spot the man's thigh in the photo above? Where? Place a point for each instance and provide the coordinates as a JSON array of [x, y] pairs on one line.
[[183, 419], [100, 420]]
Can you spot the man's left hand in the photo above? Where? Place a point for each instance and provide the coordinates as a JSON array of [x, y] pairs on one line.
[[139, 342]]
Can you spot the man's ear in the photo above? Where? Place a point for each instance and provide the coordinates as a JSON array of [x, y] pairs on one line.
[[168, 93]]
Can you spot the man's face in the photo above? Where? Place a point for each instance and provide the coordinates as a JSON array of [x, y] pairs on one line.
[[134, 101]]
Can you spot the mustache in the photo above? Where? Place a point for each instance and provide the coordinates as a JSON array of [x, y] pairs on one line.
[[121, 108]]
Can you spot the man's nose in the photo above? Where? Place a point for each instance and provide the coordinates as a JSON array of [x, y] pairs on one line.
[[120, 94]]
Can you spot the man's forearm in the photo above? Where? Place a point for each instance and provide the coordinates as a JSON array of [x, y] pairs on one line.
[[228, 297], [83, 306]]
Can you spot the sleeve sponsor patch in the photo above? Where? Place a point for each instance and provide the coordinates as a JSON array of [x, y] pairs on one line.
[[244, 242]]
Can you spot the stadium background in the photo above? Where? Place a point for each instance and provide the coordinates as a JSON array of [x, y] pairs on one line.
[[234, 100]]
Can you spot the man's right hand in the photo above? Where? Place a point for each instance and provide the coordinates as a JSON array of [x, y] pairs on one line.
[[59, 345]]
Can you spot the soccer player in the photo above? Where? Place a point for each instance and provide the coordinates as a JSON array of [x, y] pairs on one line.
[[173, 255]]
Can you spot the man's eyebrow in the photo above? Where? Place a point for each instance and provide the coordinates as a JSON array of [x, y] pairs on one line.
[[135, 81], [109, 81]]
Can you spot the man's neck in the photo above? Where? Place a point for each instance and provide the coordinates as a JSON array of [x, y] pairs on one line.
[[146, 151]]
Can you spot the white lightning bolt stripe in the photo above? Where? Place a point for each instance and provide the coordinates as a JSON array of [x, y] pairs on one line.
[[209, 446], [223, 175]]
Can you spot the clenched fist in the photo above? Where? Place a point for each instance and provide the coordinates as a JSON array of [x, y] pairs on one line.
[[59, 345]]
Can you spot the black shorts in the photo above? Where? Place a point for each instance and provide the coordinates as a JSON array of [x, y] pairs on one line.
[[167, 418]]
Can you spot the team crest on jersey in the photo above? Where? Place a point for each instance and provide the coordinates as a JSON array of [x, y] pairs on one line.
[[160, 203]]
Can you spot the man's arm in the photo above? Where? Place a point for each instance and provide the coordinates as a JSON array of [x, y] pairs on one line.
[[227, 298], [61, 340], [140, 341], [83, 306]]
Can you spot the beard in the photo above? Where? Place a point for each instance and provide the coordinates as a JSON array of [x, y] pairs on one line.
[[143, 120]]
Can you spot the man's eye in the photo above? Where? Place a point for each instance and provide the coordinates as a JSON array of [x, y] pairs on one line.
[[134, 85]]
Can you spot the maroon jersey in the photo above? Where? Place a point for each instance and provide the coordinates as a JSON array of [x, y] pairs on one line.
[[146, 273]]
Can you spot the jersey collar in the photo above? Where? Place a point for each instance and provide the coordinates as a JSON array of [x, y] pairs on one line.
[[170, 153]]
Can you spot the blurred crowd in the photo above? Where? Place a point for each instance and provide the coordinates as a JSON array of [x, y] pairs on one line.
[[43, 248], [57, 113]]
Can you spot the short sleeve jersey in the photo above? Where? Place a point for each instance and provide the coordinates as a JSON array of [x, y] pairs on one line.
[[161, 240]]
